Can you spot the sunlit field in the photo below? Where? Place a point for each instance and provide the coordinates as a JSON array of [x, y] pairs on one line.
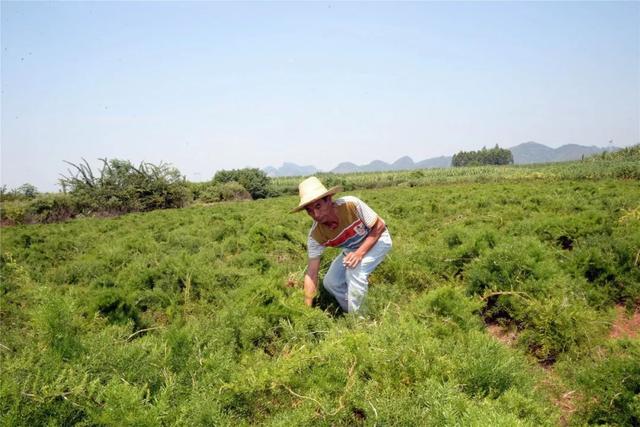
[[494, 307]]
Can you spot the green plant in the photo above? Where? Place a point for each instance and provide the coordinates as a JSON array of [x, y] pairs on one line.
[[195, 316], [609, 385], [494, 156], [123, 187], [255, 181]]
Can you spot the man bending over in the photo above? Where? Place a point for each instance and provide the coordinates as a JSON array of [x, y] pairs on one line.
[[347, 223]]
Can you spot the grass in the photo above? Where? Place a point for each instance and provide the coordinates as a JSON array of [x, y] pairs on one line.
[[195, 316], [622, 165]]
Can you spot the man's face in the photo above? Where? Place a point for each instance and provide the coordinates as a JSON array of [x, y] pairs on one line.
[[320, 210]]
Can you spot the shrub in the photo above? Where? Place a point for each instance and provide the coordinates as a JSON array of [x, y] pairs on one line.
[[450, 303], [27, 190], [610, 385], [512, 266], [122, 187], [555, 326], [57, 326], [222, 192], [115, 306], [607, 266], [255, 181], [485, 367], [14, 212], [44, 208]]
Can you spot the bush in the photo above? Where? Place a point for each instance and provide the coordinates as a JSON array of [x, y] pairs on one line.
[[255, 181], [13, 212], [122, 187], [610, 385], [485, 367], [222, 192], [512, 266], [45, 208], [555, 326], [451, 304], [57, 327], [608, 266]]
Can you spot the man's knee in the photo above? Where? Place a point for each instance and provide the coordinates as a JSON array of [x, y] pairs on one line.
[[330, 282], [358, 277]]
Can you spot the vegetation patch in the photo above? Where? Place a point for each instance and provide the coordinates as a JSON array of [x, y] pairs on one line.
[[195, 316]]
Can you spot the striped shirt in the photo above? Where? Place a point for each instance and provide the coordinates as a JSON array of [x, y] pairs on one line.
[[355, 220]]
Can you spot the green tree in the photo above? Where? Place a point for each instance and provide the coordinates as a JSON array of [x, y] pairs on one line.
[[494, 156], [255, 181], [27, 190]]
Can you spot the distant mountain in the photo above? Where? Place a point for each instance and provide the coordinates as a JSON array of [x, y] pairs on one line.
[[403, 163], [290, 169], [532, 152], [375, 166], [436, 162], [346, 167], [525, 153]]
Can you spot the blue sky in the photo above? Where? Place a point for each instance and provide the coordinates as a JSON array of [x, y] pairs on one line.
[[211, 85]]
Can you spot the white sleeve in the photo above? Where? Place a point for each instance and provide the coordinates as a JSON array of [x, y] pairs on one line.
[[366, 214], [314, 249]]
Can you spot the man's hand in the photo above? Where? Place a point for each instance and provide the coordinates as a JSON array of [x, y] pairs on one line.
[[311, 280], [352, 259]]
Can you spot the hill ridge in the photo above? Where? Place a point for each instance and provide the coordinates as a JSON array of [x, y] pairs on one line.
[[525, 153]]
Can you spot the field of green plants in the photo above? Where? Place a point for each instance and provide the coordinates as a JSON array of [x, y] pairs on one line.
[[494, 307], [623, 164]]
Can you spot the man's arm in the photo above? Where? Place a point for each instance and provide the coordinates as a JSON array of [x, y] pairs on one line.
[[311, 280], [352, 259]]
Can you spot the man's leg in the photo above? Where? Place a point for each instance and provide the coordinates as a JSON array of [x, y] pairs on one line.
[[358, 278], [335, 281]]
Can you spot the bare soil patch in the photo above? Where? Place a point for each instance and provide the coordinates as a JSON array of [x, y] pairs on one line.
[[504, 334], [625, 326]]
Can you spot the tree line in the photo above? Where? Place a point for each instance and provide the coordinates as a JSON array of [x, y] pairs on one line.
[[493, 156]]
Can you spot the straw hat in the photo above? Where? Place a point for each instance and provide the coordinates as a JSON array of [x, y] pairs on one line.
[[311, 189]]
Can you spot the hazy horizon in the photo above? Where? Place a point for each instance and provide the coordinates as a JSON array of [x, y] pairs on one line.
[[210, 85]]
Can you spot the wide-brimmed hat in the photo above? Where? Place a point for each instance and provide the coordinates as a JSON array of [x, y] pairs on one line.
[[311, 189]]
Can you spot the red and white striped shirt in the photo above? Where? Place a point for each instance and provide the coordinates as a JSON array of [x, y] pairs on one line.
[[355, 220]]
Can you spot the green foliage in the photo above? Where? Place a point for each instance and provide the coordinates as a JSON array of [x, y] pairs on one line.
[[223, 192], [450, 304], [625, 168], [45, 208], [486, 368], [58, 329], [609, 385], [557, 326], [631, 154], [255, 181], [27, 190], [24, 192], [518, 265], [122, 187], [195, 316], [494, 156]]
